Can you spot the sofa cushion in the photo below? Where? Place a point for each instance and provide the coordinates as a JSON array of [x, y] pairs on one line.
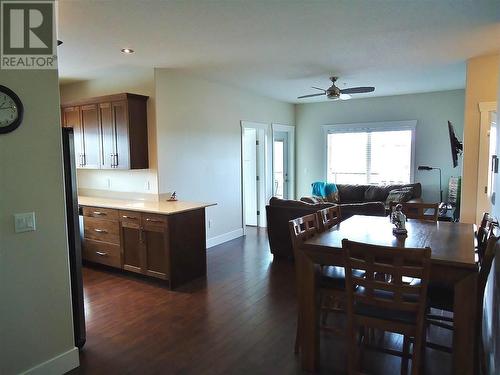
[[376, 193], [291, 203], [351, 193]]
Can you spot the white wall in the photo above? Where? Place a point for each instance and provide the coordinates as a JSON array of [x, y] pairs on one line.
[[136, 81], [431, 110], [35, 304], [199, 142]]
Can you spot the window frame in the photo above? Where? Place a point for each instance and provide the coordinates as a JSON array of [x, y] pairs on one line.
[[374, 127]]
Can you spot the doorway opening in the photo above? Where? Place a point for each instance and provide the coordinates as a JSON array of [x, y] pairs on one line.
[[254, 144], [283, 161]]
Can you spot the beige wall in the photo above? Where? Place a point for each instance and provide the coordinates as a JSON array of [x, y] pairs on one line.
[[199, 142], [481, 86], [35, 304], [133, 80]]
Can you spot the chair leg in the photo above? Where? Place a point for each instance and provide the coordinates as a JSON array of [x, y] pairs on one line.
[[416, 359], [297, 337], [406, 352]]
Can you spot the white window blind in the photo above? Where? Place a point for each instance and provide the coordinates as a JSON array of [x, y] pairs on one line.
[[369, 156]]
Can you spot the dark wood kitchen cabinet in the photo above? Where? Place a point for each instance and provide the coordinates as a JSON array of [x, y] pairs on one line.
[[145, 243], [111, 131]]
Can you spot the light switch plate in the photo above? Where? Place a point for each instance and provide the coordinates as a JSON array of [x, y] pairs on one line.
[[24, 222]]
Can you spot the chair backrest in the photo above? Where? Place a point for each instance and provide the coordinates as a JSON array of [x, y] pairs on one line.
[[421, 211], [484, 232], [303, 228], [492, 245], [329, 217], [389, 293]]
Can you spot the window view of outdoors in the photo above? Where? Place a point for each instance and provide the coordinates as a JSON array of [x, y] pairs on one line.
[[374, 157]]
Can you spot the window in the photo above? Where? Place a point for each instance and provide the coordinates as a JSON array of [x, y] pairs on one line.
[[377, 154]]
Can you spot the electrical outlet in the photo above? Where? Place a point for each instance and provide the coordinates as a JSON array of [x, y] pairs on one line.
[[24, 222]]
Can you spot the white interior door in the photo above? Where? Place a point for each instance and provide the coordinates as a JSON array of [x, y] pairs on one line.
[[250, 185], [487, 150], [256, 172]]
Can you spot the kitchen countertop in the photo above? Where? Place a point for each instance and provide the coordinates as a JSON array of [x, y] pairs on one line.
[[157, 207]]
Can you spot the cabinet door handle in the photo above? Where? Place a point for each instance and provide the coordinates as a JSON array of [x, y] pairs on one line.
[[100, 253], [100, 230], [153, 220], [99, 213], [141, 235], [129, 217]]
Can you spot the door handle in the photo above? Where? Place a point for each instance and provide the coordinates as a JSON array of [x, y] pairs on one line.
[[100, 230], [99, 213], [141, 235], [129, 217], [100, 253]]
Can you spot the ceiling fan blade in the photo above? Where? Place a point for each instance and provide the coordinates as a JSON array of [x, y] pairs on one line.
[[344, 96], [357, 90], [318, 88], [310, 96]]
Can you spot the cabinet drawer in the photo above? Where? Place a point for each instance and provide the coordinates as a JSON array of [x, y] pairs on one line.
[[130, 217], [154, 219], [103, 213], [101, 230], [102, 252]]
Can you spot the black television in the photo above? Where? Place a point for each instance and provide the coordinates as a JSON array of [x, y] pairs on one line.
[[456, 145]]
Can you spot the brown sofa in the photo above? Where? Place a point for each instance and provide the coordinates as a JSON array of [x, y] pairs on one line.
[[280, 211], [370, 193]]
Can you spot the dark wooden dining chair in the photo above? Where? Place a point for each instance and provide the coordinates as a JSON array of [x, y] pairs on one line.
[[419, 211], [329, 217], [485, 230], [442, 298], [331, 283], [386, 304]]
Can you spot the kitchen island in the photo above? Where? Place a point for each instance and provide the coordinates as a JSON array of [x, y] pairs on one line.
[[161, 239]]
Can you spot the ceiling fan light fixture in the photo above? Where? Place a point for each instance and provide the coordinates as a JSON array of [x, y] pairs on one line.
[[127, 51]]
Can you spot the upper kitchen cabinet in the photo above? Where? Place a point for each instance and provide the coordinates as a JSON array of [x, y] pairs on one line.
[[111, 131]]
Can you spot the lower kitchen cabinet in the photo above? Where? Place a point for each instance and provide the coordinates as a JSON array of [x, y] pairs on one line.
[[169, 247]]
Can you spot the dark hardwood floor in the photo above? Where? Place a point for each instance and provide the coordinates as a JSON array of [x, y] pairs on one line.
[[240, 320]]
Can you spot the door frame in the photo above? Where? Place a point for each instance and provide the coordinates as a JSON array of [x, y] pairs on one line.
[[485, 109], [290, 130], [264, 170]]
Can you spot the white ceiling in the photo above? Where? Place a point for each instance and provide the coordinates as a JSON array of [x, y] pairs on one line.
[[281, 48]]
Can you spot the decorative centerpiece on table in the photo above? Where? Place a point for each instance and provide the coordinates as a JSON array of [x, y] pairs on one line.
[[173, 197], [398, 218]]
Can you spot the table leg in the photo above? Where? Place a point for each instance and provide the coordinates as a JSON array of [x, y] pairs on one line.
[[309, 336], [464, 321]]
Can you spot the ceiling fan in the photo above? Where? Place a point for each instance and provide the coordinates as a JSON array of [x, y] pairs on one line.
[[333, 92]]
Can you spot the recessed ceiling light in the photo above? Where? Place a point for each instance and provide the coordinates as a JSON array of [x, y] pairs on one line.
[[127, 51]]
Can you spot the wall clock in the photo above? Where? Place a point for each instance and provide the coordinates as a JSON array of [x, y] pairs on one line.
[[11, 110]]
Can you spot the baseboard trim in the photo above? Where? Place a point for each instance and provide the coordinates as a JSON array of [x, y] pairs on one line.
[[60, 364], [217, 240]]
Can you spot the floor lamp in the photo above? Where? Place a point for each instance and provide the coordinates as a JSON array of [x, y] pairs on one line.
[[427, 168]]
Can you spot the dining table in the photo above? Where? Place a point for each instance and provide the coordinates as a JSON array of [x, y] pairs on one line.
[[452, 265]]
